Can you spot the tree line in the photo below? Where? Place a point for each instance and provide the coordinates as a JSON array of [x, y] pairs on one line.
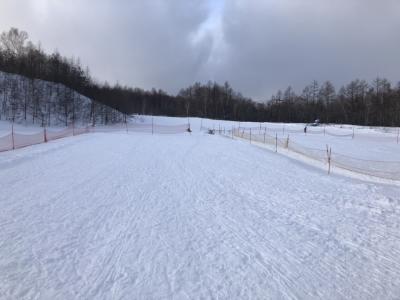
[[26, 100], [20, 56], [359, 102], [45, 89]]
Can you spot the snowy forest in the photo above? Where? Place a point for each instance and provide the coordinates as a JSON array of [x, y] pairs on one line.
[[42, 89], [359, 102], [53, 87], [27, 100]]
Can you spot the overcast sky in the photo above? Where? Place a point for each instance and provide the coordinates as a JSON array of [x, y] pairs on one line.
[[259, 46]]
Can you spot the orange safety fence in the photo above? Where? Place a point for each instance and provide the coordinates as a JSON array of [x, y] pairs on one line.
[[24, 140], [284, 130], [6, 142], [381, 169], [54, 135], [145, 128], [16, 140]]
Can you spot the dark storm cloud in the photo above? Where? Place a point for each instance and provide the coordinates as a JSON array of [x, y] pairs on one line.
[[259, 46], [271, 44], [150, 43]]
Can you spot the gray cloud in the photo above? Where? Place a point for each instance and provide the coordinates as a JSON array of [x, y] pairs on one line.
[[272, 44], [259, 46], [142, 43]]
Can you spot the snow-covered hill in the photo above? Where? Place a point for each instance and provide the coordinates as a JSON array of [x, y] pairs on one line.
[[33, 101]]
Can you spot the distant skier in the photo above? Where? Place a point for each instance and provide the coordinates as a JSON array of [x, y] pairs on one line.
[[305, 129]]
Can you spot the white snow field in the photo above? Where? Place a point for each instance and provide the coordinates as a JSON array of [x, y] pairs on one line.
[[189, 216]]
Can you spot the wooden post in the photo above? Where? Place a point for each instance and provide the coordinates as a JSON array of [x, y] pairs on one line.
[[276, 142], [73, 128], [12, 135], [287, 142], [329, 154], [45, 135], [283, 130], [265, 133]]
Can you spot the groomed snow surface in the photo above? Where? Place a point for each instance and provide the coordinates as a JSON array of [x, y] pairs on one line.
[[189, 216]]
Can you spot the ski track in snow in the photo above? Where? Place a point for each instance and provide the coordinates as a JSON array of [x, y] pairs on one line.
[[136, 216]]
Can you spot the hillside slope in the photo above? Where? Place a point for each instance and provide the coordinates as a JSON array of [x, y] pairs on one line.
[[33, 101]]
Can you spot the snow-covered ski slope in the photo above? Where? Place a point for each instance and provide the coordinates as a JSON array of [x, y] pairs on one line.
[[368, 153], [189, 216]]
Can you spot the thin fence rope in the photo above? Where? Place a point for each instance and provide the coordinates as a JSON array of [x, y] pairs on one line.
[[17, 140], [377, 168]]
